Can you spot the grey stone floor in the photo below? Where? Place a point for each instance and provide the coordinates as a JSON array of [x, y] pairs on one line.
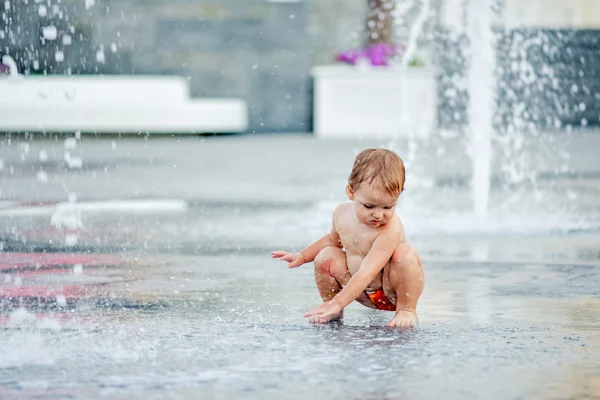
[[510, 310]]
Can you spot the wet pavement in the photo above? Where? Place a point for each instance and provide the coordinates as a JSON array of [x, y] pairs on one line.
[[155, 281]]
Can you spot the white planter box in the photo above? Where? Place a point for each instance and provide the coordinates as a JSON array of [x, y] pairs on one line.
[[114, 104], [359, 101]]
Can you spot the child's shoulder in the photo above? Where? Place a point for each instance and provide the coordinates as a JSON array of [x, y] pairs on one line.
[[340, 208], [341, 211]]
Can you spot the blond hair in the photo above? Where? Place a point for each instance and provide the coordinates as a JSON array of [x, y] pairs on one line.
[[382, 166]]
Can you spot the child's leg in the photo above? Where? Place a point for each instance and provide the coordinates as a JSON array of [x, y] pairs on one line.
[[331, 274], [405, 278]]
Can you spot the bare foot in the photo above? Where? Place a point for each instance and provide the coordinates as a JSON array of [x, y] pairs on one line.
[[404, 319], [319, 319]]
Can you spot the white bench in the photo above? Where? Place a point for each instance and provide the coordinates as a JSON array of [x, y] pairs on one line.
[[114, 104]]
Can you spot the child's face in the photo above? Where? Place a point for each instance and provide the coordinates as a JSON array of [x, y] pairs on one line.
[[372, 206]]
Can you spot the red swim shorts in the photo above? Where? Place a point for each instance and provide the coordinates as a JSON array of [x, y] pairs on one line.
[[381, 302]]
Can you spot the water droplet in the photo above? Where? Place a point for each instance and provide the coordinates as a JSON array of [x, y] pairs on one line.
[[61, 300], [42, 176], [59, 56], [89, 4], [70, 239], [42, 11], [100, 56], [113, 47], [21, 315], [67, 40], [574, 89], [70, 143], [75, 162], [78, 269], [49, 32]]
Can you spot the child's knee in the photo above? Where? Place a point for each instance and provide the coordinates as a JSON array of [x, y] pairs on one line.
[[405, 255], [328, 259]]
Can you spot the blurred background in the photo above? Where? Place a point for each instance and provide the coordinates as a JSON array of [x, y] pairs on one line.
[[267, 53]]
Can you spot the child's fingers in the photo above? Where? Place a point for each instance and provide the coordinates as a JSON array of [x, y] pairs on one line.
[[314, 311], [278, 254]]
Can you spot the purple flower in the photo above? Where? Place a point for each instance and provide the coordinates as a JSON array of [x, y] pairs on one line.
[[350, 56], [376, 54], [4, 69]]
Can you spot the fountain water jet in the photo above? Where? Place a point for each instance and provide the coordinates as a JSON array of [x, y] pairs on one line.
[[480, 85], [411, 48]]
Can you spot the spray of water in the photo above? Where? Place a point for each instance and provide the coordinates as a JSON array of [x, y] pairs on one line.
[[415, 32], [480, 83], [13, 71]]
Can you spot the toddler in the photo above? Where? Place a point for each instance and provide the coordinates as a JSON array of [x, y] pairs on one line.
[[365, 256]]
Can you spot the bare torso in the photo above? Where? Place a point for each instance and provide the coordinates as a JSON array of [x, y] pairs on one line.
[[357, 239]]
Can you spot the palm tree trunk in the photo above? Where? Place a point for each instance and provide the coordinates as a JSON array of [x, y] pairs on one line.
[[380, 22]]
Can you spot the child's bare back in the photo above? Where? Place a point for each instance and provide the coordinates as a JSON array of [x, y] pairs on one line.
[[365, 257]]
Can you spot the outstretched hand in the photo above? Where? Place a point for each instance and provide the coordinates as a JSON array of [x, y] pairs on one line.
[[324, 313], [294, 259]]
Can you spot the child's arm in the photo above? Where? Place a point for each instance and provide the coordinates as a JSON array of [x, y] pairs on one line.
[[331, 239], [373, 263], [309, 253]]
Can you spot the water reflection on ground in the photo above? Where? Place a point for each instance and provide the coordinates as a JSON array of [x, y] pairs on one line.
[[224, 326]]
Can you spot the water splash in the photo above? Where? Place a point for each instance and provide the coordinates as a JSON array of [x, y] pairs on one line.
[[415, 32], [68, 216], [50, 32], [13, 71], [407, 127], [480, 84]]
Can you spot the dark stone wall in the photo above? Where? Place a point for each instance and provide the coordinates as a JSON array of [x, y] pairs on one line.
[[255, 50]]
